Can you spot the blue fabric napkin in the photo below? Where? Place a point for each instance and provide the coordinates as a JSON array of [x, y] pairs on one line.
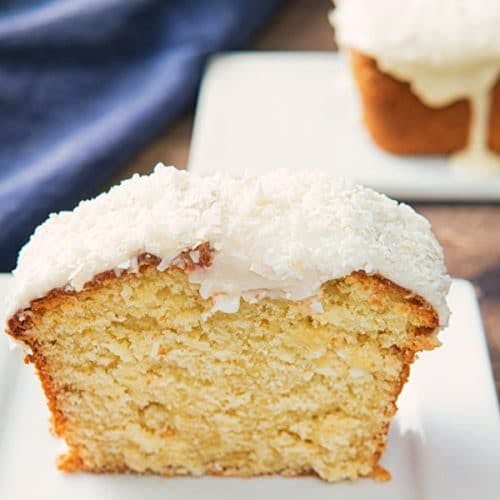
[[84, 84]]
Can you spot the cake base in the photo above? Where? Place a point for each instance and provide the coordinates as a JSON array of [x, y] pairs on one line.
[[140, 376], [399, 122]]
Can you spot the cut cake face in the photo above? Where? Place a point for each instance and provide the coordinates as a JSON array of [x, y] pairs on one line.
[[217, 332]]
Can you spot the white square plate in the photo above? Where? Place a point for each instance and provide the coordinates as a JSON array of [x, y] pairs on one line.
[[444, 442], [300, 110]]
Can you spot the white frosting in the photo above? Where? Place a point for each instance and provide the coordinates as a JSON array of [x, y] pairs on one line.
[[279, 235], [446, 50], [448, 33]]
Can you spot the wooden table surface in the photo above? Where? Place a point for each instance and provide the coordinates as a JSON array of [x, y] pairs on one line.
[[469, 233]]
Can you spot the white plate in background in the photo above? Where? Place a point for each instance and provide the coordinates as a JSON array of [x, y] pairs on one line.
[[443, 444], [299, 110]]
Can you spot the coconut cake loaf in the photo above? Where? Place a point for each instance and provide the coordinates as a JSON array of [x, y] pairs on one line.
[[428, 75], [187, 325]]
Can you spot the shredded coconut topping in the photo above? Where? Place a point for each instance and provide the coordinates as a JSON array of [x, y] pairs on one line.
[[279, 235]]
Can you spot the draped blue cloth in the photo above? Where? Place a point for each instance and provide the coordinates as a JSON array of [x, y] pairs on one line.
[[84, 84]]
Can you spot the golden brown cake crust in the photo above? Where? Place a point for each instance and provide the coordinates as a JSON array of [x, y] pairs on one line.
[[72, 461], [400, 123]]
